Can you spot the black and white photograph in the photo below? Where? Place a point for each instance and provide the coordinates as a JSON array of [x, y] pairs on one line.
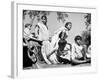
[[55, 39]]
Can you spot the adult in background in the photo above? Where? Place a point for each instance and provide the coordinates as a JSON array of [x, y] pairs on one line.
[[42, 34]]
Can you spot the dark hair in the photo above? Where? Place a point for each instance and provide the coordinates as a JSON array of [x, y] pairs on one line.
[[26, 25], [67, 23], [44, 17], [36, 26], [77, 38]]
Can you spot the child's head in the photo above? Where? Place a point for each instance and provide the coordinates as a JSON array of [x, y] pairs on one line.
[[78, 40], [68, 25], [28, 26], [44, 19]]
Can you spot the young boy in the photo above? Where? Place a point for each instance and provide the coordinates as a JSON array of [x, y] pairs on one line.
[[78, 53]]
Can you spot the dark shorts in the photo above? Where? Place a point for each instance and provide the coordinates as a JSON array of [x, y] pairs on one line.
[[27, 62], [62, 60]]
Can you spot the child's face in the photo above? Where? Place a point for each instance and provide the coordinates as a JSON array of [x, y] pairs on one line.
[[69, 27], [29, 27], [78, 42], [44, 20]]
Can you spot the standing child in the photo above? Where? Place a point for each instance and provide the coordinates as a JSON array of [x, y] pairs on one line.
[[63, 55]]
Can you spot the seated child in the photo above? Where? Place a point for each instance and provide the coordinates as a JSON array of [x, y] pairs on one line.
[[78, 53]]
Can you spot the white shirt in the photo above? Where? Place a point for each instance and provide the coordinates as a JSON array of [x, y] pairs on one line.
[[55, 37], [43, 32], [76, 51], [44, 36], [60, 30], [67, 52]]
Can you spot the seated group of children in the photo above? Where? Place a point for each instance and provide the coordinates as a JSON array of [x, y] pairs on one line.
[[76, 53]]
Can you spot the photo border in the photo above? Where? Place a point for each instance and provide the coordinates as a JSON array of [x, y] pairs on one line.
[[17, 68]]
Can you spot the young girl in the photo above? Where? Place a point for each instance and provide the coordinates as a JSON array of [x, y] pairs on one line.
[[63, 51]]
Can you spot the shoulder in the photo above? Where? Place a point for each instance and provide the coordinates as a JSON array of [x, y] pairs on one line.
[[62, 28], [74, 44], [38, 24]]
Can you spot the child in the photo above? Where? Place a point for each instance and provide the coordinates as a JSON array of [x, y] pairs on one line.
[[63, 54], [78, 53], [66, 28]]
